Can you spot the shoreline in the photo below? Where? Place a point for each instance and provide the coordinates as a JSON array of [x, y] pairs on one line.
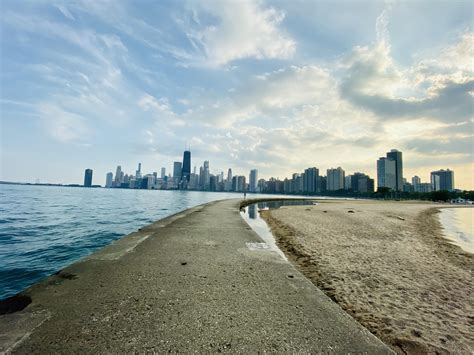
[[188, 283], [388, 265], [452, 230]]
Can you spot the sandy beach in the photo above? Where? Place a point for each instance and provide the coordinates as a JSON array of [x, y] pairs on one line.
[[388, 266]]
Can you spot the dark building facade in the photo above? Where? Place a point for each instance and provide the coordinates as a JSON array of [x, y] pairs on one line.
[[88, 178], [186, 172], [361, 182], [310, 182], [442, 180], [396, 156]]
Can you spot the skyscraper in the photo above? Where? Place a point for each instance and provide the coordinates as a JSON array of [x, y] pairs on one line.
[[138, 173], [88, 178], [253, 179], [442, 180], [396, 156], [335, 179], [109, 180], [415, 180], [241, 184], [118, 176], [310, 182], [186, 167], [386, 173], [177, 167], [206, 177], [228, 182], [163, 173]]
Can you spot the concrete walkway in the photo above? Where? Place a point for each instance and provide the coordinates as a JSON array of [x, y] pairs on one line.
[[187, 283]]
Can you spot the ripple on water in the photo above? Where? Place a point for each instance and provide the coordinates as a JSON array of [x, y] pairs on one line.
[[44, 229]]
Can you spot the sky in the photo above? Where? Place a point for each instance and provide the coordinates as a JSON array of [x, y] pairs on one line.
[[279, 86]]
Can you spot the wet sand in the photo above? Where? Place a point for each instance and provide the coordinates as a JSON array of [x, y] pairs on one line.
[[388, 266]]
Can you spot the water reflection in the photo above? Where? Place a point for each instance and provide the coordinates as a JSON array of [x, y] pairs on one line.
[[251, 215], [252, 210]]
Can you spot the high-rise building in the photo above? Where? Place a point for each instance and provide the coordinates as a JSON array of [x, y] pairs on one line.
[[186, 167], [163, 173], [207, 173], [201, 177], [335, 179], [365, 184], [138, 173], [386, 173], [424, 187], [241, 184], [109, 180], [322, 183], [177, 167], [213, 183], [88, 178], [442, 180], [310, 180], [193, 182], [233, 186], [396, 156], [361, 182], [118, 176], [253, 179], [348, 182], [415, 180]]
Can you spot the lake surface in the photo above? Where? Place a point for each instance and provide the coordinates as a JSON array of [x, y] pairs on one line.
[[44, 229], [458, 226]]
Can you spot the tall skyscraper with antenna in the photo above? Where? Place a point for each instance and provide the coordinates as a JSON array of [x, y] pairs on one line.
[[186, 170]]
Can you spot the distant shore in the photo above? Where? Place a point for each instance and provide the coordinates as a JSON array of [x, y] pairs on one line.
[[388, 265]]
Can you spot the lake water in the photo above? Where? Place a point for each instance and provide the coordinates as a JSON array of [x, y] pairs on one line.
[[43, 229], [458, 226]]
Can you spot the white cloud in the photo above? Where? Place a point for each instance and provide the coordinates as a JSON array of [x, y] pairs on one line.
[[243, 29], [438, 88], [161, 105], [65, 12], [64, 126]]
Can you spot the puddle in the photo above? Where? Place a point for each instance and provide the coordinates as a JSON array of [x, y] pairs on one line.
[[252, 217]]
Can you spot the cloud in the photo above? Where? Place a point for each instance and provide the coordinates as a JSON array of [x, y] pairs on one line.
[[239, 30], [226, 77], [381, 24], [374, 82], [65, 12], [161, 105], [443, 145], [64, 126]]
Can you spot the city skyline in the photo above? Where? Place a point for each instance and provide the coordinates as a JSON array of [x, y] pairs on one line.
[[336, 182], [390, 177], [253, 85]]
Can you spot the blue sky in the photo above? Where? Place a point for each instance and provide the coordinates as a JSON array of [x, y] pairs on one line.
[[274, 85]]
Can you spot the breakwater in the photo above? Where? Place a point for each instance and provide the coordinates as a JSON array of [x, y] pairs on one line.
[[184, 283]]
